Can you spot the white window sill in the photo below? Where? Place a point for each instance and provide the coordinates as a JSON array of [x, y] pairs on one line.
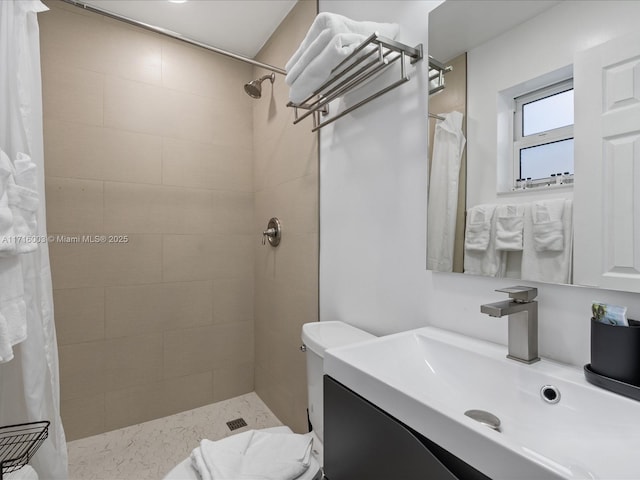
[[536, 190]]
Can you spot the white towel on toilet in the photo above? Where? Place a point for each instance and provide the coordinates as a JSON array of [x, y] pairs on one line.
[[24, 473], [509, 226], [253, 455]]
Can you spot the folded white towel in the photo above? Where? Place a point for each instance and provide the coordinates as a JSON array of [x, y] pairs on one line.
[[509, 227], [24, 473], [337, 24], [7, 234], [478, 231], [253, 455], [548, 265], [481, 256], [318, 70], [548, 225]]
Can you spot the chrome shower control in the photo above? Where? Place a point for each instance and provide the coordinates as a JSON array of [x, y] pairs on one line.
[[273, 233]]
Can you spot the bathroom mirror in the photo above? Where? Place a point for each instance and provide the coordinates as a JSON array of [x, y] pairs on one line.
[[499, 51]]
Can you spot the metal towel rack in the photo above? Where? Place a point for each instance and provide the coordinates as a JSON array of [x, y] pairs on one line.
[[375, 54], [436, 75]]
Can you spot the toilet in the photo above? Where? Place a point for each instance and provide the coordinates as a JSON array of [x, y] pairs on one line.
[[316, 338]]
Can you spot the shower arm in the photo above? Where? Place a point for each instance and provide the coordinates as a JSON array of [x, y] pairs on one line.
[[175, 35]]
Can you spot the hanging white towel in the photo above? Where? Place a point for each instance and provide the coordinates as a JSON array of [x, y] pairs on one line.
[[548, 225], [442, 207], [24, 473], [509, 226], [13, 310], [7, 234], [548, 265], [253, 455], [481, 256], [478, 230], [337, 24], [318, 70]]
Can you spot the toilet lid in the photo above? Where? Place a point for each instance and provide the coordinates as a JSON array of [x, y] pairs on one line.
[[184, 470]]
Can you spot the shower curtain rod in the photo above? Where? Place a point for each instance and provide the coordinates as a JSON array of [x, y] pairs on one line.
[[177, 36]]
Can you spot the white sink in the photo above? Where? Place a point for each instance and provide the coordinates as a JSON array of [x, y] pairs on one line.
[[428, 378]]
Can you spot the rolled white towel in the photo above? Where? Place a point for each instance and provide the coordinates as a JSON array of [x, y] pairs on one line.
[[509, 226], [338, 24], [319, 68]]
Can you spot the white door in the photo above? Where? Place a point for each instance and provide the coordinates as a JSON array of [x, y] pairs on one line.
[[607, 165]]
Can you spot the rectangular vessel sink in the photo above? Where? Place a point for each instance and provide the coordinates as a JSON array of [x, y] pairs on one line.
[[428, 378]]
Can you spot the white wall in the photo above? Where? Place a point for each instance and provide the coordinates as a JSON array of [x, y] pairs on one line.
[[373, 221], [544, 44]]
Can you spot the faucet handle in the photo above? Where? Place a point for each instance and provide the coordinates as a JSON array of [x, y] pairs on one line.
[[519, 293]]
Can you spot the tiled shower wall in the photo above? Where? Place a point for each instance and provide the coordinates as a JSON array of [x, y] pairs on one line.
[[150, 139], [286, 186]]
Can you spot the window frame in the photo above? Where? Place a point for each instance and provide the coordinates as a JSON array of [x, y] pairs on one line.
[[520, 141]]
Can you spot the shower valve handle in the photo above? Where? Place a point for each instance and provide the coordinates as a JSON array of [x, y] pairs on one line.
[[269, 232], [273, 233]]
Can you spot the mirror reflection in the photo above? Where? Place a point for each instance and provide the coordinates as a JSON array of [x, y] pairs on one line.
[[501, 135]]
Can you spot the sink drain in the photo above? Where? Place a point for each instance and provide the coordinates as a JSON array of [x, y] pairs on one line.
[[485, 418], [550, 394]]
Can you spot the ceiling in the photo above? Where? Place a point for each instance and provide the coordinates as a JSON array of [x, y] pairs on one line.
[[239, 26], [457, 26]]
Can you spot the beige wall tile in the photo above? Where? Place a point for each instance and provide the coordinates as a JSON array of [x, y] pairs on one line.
[[79, 315], [82, 416], [103, 264], [134, 106], [84, 151], [229, 382], [133, 360], [133, 53], [137, 208], [286, 278], [74, 205], [232, 212], [201, 165], [233, 344], [134, 310], [231, 124], [189, 117], [189, 351], [202, 257], [134, 405], [185, 393], [197, 71], [72, 94], [80, 35], [295, 203], [233, 300], [82, 369]]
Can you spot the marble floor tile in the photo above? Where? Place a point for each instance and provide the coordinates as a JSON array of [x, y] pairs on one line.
[[149, 450]]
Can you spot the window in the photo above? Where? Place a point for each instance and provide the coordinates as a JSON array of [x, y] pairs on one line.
[[543, 134]]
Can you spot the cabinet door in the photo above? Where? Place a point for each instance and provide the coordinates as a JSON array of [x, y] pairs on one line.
[[607, 165], [363, 442]]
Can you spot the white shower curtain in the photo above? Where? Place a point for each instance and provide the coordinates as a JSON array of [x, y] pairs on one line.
[[442, 206], [29, 385]]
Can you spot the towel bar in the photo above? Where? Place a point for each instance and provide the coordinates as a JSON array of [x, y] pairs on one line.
[[352, 72]]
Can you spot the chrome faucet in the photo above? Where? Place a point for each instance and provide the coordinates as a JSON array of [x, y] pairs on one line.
[[522, 310]]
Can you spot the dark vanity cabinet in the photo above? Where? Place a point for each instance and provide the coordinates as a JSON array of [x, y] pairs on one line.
[[362, 442]]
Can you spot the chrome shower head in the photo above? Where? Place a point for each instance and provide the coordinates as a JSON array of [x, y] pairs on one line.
[[254, 88]]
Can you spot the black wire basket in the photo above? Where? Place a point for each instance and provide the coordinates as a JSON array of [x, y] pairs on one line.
[[18, 443]]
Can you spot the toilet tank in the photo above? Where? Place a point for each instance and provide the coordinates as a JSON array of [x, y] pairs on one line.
[[317, 337]]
